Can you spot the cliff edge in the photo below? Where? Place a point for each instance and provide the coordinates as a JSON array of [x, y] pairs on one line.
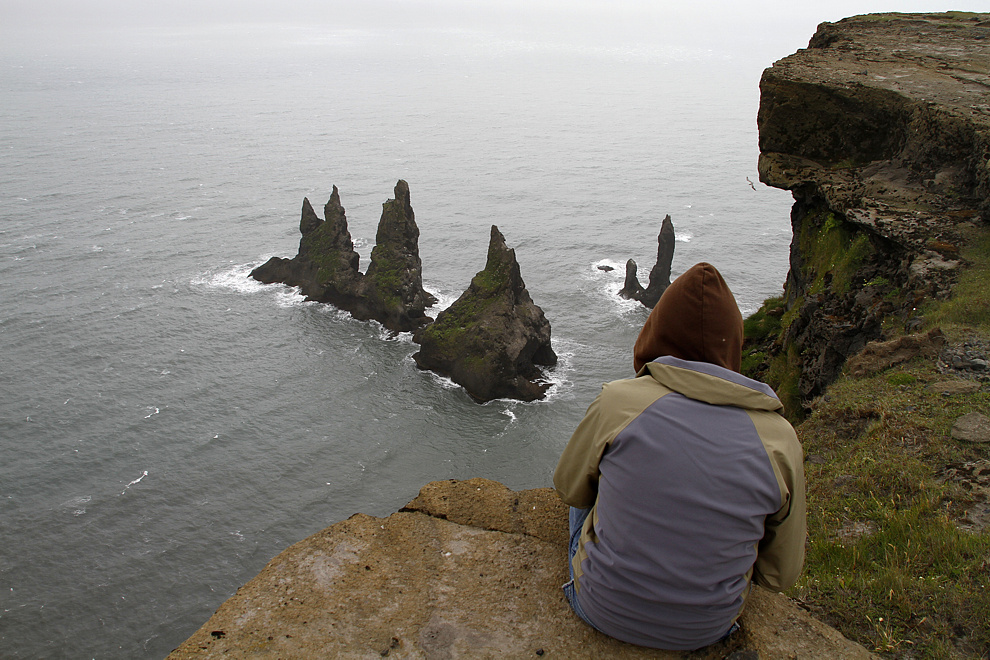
[[468, 569], [881, 130]]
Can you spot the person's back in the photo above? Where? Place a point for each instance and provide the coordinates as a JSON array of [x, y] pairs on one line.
[[691, 477]]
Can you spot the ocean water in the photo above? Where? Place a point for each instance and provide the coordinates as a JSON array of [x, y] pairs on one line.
[[168, 425]]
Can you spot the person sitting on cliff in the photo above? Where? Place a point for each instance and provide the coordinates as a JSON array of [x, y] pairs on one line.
[[686, 484]]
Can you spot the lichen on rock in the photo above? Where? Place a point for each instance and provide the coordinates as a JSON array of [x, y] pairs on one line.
[[491, 339], [468, 569]]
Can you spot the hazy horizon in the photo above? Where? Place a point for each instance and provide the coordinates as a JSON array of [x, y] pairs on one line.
[[761, 28]]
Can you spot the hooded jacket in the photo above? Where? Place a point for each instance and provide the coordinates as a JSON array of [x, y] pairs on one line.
[[695, 480]]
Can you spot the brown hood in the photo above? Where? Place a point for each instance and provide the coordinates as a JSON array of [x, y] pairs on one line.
[[696, 319]]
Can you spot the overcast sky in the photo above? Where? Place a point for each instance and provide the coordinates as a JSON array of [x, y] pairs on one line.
[[85, 14], [776, 26]]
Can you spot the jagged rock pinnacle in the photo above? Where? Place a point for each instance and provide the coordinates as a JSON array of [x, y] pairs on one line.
[[492, 337]]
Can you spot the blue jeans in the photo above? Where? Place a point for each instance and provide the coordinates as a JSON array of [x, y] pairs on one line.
[[576, 518]]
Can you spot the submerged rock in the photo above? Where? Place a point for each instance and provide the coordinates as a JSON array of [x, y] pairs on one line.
[[659, 276], [326, 267], [491, 339]]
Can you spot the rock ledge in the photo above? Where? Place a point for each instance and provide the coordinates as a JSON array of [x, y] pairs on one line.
[[467, 569]]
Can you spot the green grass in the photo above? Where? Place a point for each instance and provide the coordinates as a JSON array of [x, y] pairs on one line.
[[970, 301], [766, 321], [886, 564]]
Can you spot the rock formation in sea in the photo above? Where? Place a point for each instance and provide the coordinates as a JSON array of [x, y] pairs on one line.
[[659, 275], [881, 131], [326, 266], [395, 275], [468, 569], [491, 339]]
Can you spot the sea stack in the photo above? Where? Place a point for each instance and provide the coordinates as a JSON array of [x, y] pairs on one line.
[[491, 339], [394, 281], [326, 267], [659, 276]]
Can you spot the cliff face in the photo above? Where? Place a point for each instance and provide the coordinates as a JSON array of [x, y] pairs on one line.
[[881, 130]]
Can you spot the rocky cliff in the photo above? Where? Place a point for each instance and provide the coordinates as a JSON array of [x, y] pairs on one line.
[[881, 130], [468, 569]]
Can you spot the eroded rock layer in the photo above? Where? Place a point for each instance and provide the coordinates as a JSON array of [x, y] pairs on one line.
[[881, 130]]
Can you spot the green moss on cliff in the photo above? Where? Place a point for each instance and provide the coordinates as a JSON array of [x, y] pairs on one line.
[[491, 280], [887, 563], [386, 278], [456, 326], [765, 322], [759, 330], [784, 376], [832, 252], [323, 252]]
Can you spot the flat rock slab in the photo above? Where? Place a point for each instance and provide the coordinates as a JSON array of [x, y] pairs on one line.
[[974, 427], [950, 387], [469, 569], [880, 355]]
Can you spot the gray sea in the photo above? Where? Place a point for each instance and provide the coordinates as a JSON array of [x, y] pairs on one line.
[[168, 425]]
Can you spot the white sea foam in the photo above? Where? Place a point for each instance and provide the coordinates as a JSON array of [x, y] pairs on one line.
[[237, 279], [231, 278], [442, 381], [604, 265], [78, 504], [289, 296], [557, 375], [136, 481], [391, 335]]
